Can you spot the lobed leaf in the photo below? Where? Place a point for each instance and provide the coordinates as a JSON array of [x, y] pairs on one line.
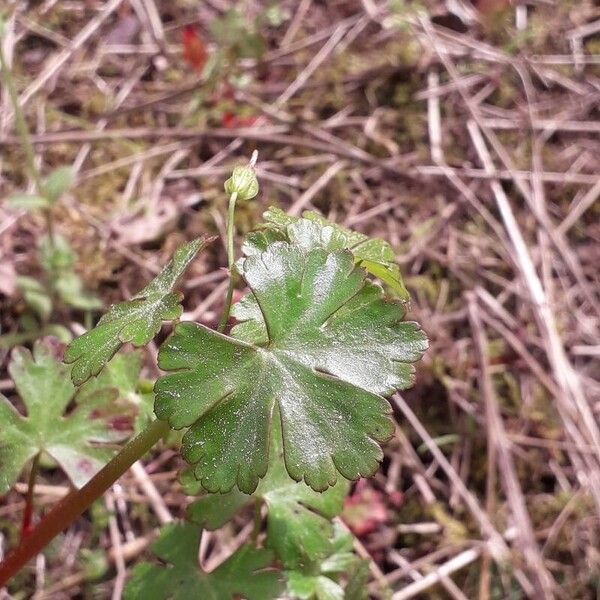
[[244, 574], [58, 260], [136, 321], [70, 437], [69, 287], [333, 349], [375, 255]]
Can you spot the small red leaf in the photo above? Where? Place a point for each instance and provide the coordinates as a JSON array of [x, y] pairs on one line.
[[194, 50], [228, 120]]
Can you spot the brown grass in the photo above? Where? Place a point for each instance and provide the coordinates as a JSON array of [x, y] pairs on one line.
[[470, 142]]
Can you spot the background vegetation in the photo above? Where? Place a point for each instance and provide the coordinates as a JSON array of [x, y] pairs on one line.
[[464, 134]]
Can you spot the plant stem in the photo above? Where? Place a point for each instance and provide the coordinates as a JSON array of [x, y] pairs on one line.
[[230, 262], [25, 137], [28, 512], [77, 501]]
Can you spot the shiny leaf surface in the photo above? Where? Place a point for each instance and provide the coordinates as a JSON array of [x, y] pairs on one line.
[[334, 349], [136, 321], [375, 255]]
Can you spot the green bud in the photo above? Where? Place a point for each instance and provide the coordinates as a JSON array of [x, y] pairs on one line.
[[243, 181]]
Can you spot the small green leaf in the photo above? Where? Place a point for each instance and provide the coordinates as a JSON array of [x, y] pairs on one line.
[[356, 588], [334, 349], [70, 289], [36, 296], [258, 241], [245, 574], [373, 254], [136, 321], [58, 259], [212, 511], [70, 438], [304, 586], [299, 526], [27, 202], [323, 581], [56, 255], [57, 183]]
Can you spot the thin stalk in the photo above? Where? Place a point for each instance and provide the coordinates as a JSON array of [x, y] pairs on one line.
[[25, 137], [230, 262], [76, 502], [28, 512]]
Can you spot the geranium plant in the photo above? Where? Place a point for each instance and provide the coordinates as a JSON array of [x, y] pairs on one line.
[[282, 408]]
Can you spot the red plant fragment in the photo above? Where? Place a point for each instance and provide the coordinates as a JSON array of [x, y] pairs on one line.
[[230, 121], [194, 50], [364, 511]]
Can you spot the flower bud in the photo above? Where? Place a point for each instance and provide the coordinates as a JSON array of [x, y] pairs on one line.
[[243, 181]]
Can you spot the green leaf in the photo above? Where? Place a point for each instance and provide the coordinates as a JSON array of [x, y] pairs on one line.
[[70, 289], [69, 437], [56, 255], [36, 296], [58, 259], [375, 255], [244, 574], [334, 349], [136, 321], [323, 580], [212, 511], [304, 586], [299, 525], [298, 519], [57, 183], [27, 202], [356, 588]]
